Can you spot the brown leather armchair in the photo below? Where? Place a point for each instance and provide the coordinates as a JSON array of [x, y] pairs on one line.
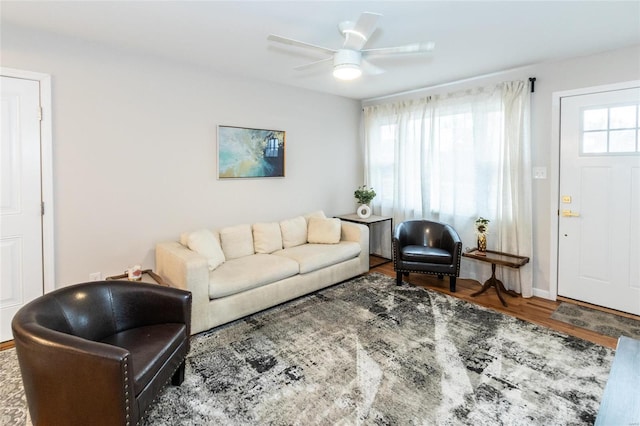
[[98, 353], [426, 247]]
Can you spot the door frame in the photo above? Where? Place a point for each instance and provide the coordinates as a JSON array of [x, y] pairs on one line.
[[554, 175], [46, 170]]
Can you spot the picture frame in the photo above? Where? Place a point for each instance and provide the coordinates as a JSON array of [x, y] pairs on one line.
[[245, 152]]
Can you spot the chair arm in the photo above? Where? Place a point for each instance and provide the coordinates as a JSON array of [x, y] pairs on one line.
[[401, 235], [96, 375], [395, 250], [397, 242], [453, 244], [183, 268]]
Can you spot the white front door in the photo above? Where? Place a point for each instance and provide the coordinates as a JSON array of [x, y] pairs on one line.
[[599, 206], [21, 273]]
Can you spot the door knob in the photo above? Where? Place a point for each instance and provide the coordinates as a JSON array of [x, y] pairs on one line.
[[569, 213]]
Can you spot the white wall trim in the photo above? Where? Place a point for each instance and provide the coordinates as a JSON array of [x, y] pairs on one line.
[[543, 294], [46, 141], [554, 174]]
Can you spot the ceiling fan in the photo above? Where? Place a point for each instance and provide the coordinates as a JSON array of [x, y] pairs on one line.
[[351, 59]]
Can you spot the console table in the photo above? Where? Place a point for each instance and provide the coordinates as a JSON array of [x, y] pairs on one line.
[[370, 221], [497, 258]]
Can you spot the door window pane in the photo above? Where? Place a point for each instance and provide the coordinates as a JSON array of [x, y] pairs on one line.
[[611, 129], [594, 142], [595, 119], [623, 117], [622, 141]]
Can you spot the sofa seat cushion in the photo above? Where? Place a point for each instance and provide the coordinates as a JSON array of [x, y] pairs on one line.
[[150, 348], [312, 257], [249, 272], [426, 255]]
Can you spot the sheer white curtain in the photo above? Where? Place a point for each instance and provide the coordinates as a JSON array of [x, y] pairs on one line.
[[455, 157]]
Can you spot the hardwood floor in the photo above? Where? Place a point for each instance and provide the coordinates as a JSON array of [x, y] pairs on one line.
[[534, 309]]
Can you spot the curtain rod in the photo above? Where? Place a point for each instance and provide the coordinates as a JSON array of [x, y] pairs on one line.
[[532, 80], [451, 83]]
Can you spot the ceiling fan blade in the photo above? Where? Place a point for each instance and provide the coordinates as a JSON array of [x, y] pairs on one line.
[[356, 37], [312, 64], [370, 69], [399, 50], [296, 43]]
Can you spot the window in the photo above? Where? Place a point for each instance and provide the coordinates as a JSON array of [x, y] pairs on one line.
[[610, 130], [440, 164], [454, 157], [383, 162]]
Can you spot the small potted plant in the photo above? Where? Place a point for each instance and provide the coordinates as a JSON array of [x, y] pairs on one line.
[[364, 196], [482, 229]]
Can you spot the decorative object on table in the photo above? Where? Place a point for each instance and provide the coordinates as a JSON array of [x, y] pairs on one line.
[[482, 229], [250, 153], [364, 196], [152, 277], [134, 273]]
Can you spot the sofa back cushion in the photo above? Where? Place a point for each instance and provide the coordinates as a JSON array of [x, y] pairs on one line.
[[294, 232], [205, 243], [317, 213], [324, 231], [236, 241], [267, 237]]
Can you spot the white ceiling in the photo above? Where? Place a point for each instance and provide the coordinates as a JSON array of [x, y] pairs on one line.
[[472, 37]]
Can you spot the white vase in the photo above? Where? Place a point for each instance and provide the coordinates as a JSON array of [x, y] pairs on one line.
[[364, 211]]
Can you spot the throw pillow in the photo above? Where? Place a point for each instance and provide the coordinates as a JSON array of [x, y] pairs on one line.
[[206, 244], [317, 213], [267, 237], [324, 231], [236, 241], [294, 232]]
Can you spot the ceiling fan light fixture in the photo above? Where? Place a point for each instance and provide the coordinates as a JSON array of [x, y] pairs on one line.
[[350, 61], [346, 64], [347, 71]]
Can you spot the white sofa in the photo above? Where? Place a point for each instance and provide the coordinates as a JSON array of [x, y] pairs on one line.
[[239, 270]]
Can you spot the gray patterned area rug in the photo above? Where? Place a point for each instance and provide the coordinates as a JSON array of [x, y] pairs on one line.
[[371, 353], [601, 322], [13, 404]]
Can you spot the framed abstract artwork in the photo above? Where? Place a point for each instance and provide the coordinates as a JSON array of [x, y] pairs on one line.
[[250, 153]]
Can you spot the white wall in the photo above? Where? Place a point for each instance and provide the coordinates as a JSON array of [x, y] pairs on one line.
[[134, 142], [135, 145], [604, 68]]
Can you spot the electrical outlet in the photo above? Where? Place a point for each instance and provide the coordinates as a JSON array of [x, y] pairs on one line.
[[95, 276]]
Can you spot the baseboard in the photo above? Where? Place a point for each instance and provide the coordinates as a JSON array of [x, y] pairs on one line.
[[544, 294]]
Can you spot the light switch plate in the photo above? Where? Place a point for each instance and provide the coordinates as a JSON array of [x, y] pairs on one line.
[[539, 172]]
